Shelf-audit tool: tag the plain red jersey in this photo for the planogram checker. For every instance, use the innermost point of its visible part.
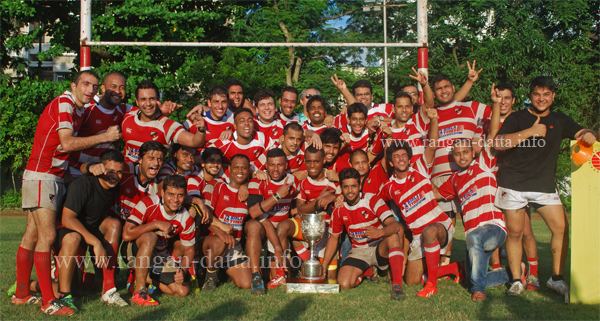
(150, 209)
(375, 180)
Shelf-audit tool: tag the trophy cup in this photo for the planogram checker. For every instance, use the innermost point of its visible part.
(313, 230)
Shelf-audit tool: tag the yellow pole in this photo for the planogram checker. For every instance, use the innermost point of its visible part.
(585, 224)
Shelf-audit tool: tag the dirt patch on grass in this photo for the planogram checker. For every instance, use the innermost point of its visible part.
(12, 212)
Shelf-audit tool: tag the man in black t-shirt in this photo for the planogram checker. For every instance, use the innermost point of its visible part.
(87, 221)
(530, 140)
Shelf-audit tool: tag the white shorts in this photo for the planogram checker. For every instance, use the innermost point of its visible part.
(40, 190)
(508, 199)
(415, 251)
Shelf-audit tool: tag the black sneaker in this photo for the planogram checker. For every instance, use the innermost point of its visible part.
(397, 292)
(258, 286)
(211, 281)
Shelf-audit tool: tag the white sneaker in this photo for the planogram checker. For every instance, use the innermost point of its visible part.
(112, 297)
(516, 288)
(559, 286)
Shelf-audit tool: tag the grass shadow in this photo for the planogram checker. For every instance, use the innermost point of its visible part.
(158, 313)
(294, 309)
(230, 310)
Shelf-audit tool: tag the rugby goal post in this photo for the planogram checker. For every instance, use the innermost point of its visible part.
(422, 43)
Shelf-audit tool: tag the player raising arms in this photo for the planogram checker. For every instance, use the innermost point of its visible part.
(372, 244)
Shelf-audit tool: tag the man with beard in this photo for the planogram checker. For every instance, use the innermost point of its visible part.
(87, 222)
(236, 97)
(43, 186)
(149, 124)
(102, 113)
(181, 163)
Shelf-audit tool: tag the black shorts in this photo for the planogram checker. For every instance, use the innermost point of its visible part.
(63, 231)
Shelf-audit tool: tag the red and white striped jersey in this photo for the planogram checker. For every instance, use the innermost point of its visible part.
(169, 168)
(200, 187)
(456, 121)
(316, 129)
(96, 120)
(214, 127)
(265, 189)
(370, 211)
(286, 120)
(483, 115)
(132, 191)
(414, 132)
(375, 180)
(381, 110)
(256, 150)
(47, 156)
(476, 188)
(414, 197)
(362, 141)
(228, 208)
(136, 132)
(273, 130)
(150, 209)
(295, 162)
(341, 121)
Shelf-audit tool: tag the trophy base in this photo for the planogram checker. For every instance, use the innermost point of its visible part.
(299, 285)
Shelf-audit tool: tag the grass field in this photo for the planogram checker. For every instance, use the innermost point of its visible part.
(370, 301)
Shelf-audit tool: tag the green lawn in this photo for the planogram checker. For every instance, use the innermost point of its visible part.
(368, 302)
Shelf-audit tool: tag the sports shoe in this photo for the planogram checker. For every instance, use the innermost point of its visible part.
(211, 281)
(152, 289)
(276, 282)
(397, 292)
(428, 291)
(112, 297)
(142, 298)
(68, 301)
(559, 286)
(478, 296)
(258, 286)
(31, 299)
(12, 290)
(57, 308)
(532, 283)
(516, 288)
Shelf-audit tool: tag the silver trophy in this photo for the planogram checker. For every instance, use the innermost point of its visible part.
(313, 229)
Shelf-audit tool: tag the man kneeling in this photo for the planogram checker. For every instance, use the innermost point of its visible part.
(152, 231)
(372, 244)
(86, 218)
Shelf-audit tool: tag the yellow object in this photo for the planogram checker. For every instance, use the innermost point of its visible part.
(585, 225)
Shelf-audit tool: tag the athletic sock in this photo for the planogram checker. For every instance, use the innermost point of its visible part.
(396, 258)
(449, 269)
(432, 259)
(108, 273)
(24, 266)
(302, 252)
(496, 266)
(41, 260)
(533, 266)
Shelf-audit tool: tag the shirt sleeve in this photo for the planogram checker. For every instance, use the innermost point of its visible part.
(188, 235)
(570, 127)
(65, 114)
(78, 195)
(337, 224)
(137, 214)
(380, 208)
(447, 189)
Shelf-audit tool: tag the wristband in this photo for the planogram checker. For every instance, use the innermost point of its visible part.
(277, 196)
(262, 210)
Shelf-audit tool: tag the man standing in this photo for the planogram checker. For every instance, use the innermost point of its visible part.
(43, 188)
(287, 104)
(531, 140)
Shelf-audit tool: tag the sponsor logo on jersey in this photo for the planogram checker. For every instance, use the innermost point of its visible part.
(413, 202)
(469, 194)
